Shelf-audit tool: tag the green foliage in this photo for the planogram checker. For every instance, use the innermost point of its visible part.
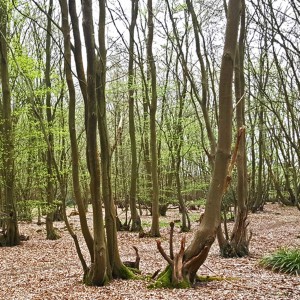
(194, 217)
(163, 223)
(180, 8)
(283, 260)
(197, 202)
(27, 209)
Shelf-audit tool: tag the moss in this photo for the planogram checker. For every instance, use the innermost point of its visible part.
(165, 271)
(127, 273)
(164, 280)
(213, 278)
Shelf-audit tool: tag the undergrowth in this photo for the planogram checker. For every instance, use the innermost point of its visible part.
(283, 260)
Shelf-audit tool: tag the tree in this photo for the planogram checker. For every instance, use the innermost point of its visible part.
(115, 265)
(51, 234)
(184, 265)
(73, 138)
(105, 260)
(10, 225)
(135, 219)
(153, 107)
(238, 243)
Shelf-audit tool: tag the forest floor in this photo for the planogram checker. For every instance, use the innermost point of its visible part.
(42, 269)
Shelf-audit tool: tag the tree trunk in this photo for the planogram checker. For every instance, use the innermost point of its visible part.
(98, 273)
(154, 231)
(72, 130)
(238, 245)
(135, 218)
(51, 233)
(186, 226)
(11, 232)
(259, 200)
(115, 266)
(196, 253)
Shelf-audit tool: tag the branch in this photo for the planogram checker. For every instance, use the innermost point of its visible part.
(237, 103)
(163, 253)
(171, 240)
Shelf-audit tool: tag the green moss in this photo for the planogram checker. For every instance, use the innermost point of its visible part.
(164, 280)
(213, 278)
(127, 273)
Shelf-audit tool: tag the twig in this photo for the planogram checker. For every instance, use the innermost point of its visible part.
(239, 102)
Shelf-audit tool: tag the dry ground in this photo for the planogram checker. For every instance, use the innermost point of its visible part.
(41, 269)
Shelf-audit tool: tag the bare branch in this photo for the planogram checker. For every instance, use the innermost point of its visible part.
(163, 253)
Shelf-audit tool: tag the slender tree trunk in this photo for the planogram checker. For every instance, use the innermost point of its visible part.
(153, 142)
(259, 200)
(11, 223)
(72, 131)
(186, 226)
(204, 85)
(238, 245)
(51, 233)
(98, 273)
(115, 265)
(135, 218)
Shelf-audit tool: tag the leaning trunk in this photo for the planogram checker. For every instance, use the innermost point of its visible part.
(238, 245)
(184, 267)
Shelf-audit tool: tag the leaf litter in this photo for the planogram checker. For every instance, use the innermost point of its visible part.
(43, 269)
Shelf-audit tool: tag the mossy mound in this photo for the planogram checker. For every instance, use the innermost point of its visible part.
(214, 278)
(128, 273)
(164, 281)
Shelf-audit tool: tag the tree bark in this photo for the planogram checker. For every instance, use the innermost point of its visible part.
(115, 266)
(11, 231)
